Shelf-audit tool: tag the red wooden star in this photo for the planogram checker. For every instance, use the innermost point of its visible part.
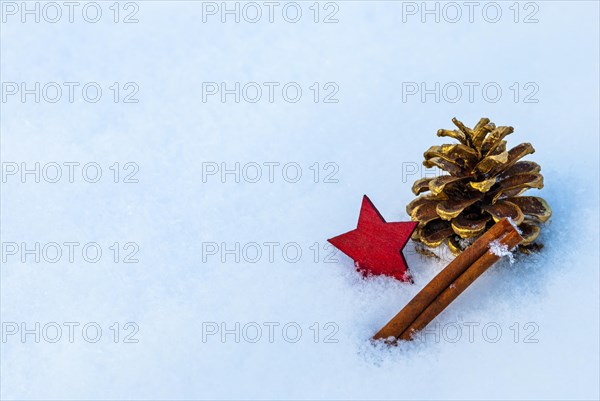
(375, 245)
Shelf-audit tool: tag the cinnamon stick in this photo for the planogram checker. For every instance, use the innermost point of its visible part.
(399, 323)
(510, 240)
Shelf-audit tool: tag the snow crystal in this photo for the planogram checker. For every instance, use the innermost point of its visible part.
(501, 250)
(512, 222)
(465, 242)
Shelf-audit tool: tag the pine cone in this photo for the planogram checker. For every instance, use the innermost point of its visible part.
(483, 186)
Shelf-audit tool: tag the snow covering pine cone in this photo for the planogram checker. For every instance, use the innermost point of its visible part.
(483, 186)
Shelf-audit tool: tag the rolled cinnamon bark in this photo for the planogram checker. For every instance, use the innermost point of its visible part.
(510, 240)
(399, 323)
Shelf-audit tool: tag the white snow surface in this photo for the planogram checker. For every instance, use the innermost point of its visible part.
(522, 331)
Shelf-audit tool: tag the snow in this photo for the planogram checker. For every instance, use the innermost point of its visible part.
(465, 242)
(514, 224)
(500, 249)
(545, 307)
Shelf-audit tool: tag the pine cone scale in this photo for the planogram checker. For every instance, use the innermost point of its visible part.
(503, 209)
(450, 209)
(467, 227)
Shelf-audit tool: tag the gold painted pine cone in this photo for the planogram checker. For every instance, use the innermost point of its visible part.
(483, 185)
